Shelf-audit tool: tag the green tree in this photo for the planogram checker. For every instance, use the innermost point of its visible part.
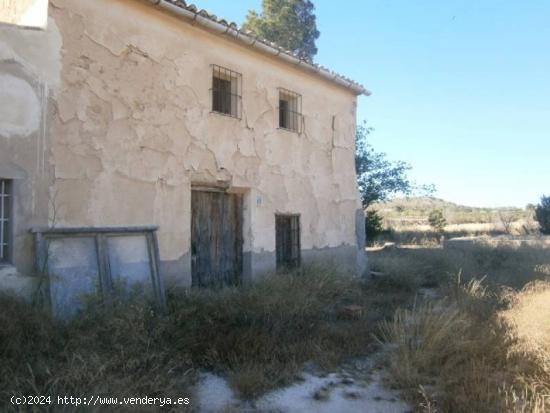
(379, 178)
(289, 23)
(437, 221)
(373, 223)
(542, 214)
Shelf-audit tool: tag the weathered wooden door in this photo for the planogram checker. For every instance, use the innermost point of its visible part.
(287, 233)
(216, 238)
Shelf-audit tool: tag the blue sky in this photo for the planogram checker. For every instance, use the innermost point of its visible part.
(461, 89)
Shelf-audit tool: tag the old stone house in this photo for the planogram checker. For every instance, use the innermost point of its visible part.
(138, 134)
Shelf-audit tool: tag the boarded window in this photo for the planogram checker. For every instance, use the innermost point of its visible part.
(290, 110)
(130, 264)
(287, 230)
(84, 261)
(226, 91)
(5, 219)
(73, 271)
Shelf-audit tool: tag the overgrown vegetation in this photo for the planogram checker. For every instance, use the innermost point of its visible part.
(259, 337)
(120, 351)
(262, 335)
(482, 346)
(499, 263)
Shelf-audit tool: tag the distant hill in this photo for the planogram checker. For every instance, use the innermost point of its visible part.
(415, 210)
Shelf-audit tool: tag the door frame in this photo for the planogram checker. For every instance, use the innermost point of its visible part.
(225, 190)
(283, 266)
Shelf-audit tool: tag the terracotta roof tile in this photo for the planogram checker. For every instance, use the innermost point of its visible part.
(232, 25)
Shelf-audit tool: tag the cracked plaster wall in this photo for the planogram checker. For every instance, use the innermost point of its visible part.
(30, 67)
(132, 129)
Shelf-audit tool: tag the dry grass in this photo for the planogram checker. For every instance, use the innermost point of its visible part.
(116, 352)
(424, 235)
(259, 337)
(529, 315)
(484, 346)
(507, 265)
(427, 237)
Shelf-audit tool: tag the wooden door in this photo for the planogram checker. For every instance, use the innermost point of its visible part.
(216, 238)
(287, 233)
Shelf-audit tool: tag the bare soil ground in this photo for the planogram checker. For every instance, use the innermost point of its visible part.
(356, 387)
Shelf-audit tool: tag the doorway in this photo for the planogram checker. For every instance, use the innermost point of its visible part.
(216, 238)
(287, 233)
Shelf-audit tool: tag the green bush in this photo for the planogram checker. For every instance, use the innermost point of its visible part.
(542, 214)
(373, 224)
(437, 220)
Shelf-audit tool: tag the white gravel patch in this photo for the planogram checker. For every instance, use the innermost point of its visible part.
(341, 392)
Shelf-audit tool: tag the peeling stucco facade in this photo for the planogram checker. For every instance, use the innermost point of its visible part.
(106, 119)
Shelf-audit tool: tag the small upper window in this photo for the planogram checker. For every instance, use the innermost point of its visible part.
(226, 91)
(5, 219)
(290, 110)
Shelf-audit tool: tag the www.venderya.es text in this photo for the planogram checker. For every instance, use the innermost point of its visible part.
(93, 400)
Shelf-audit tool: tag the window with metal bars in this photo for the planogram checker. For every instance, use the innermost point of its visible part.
(5, 219)
(288, 250)
(290, 110)
(226, 91)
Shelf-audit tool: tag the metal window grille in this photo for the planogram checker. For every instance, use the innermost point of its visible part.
(226, 91)
(5, 216)
(290, 110)
(288, 249)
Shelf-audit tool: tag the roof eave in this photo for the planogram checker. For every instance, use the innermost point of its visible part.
(221, 27)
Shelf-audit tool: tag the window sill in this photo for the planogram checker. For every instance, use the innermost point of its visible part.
(225, 115)
(289, 130)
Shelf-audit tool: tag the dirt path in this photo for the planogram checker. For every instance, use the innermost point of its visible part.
(357, 387)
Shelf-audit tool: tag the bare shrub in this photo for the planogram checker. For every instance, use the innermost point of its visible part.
(506, 219)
